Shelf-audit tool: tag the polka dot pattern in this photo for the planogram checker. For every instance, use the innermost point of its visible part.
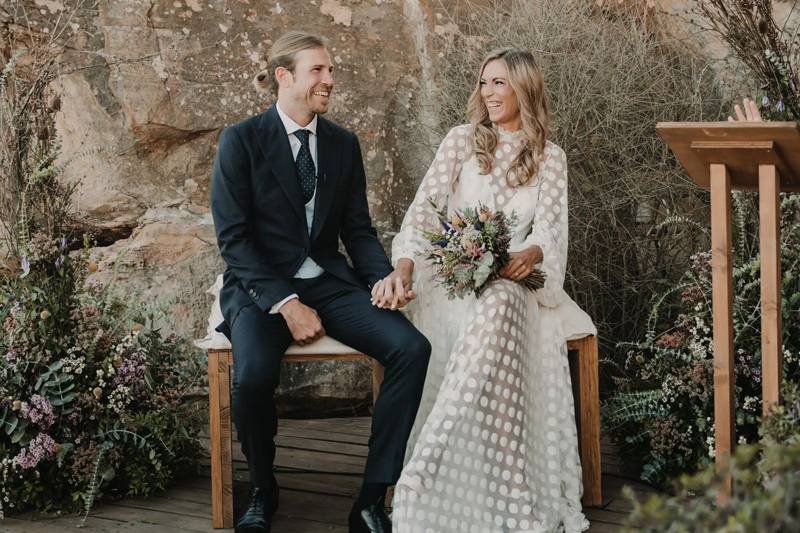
(494, 446)
(306, 172)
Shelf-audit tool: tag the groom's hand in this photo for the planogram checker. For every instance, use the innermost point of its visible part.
(303, 322)
(395, 290)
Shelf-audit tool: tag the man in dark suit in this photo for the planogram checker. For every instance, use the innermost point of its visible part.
(287, 185)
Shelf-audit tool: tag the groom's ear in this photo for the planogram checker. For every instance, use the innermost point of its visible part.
(284, 76)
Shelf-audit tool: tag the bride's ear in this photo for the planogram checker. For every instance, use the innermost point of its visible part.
(261, 82)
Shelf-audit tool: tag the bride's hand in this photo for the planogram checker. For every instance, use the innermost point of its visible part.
(395, 290)
(522, 263)
(750, 113)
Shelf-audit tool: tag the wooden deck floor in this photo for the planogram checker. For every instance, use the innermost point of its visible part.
(319, 464)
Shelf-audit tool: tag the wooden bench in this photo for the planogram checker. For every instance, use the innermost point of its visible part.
(583, 366)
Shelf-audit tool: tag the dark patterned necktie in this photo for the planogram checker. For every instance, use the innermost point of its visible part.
(305, 166)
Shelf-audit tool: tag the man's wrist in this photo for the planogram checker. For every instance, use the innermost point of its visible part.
(289, 305)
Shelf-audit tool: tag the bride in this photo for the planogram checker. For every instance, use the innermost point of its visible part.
(494, 447)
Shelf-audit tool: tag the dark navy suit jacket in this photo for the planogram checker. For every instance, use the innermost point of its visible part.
(260, 218)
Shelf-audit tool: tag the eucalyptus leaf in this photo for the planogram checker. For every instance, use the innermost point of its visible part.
(484, 269)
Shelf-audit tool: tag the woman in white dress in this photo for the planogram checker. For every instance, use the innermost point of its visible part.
(494, 447)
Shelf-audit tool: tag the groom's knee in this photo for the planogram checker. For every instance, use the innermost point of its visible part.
(412, 352)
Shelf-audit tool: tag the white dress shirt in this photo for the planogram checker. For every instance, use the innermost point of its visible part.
(309, 268)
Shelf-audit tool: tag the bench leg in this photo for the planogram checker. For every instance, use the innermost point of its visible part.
(219, 398)
(588, 367)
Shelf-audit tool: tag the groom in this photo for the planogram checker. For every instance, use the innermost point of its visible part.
(287, 185)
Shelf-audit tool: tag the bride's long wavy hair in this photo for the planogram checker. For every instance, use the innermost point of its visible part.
(527, 81)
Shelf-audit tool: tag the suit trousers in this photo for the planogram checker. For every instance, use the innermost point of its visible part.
(259, 341)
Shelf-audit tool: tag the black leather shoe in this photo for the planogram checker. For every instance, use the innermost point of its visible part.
(257, 517)
(372, 519)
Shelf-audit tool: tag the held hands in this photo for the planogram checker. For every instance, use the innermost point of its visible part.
(303, 322)
(394, 291)
(750, 114)
(522, 263)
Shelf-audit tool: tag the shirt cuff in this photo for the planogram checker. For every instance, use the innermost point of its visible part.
(275, 308)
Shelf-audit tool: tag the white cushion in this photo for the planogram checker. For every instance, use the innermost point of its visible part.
(214, 340)
(575, 322)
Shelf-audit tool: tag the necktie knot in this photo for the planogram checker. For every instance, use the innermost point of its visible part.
(302, 135)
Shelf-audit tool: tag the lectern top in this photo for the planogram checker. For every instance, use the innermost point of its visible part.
(741, 146)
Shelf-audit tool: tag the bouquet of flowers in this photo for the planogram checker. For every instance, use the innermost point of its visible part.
(471, 248)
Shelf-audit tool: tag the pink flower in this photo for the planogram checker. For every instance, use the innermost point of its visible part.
(42, 447)
(39, 411)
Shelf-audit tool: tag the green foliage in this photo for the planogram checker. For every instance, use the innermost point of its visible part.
(766, 494)
(94, 402)
(662, 412)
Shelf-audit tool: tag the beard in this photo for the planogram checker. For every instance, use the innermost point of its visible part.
(318, 104)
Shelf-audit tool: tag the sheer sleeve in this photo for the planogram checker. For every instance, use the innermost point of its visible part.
(550, 226)
(409, 241)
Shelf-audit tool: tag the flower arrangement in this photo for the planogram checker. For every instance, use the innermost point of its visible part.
(93, 400)
(663, 410)
(471, 248)
(766, 495)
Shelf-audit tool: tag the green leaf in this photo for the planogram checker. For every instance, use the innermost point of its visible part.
(484, 269)
(11, 425)
(18, 434)
(63, 450)
(63, 400)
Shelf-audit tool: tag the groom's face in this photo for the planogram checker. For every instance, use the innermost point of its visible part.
(310, 86)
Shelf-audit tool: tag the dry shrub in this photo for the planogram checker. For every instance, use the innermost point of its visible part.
(635, 217)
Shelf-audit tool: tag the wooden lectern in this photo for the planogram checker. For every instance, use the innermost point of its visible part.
(721, 156)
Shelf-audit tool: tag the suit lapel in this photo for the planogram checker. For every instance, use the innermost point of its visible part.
(329, 159)
(275, 146)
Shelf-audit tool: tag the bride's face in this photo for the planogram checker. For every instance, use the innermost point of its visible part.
(498, 96)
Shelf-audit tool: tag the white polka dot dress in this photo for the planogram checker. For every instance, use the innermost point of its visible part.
(494, 447)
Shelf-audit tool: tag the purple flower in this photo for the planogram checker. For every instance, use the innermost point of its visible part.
(60, 261)
(40, 448)
(765, 101)
(39, 411)
(131, 370)
(26, 266)
(779, 107)
(62, 243)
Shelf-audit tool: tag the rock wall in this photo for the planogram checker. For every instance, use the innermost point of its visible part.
(148, 86)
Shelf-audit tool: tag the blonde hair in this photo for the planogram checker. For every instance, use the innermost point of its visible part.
(282, 54)
(527, 81)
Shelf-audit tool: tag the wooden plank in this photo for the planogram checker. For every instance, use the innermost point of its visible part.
(603, 515)
(742, 162)
(333, 448)
(64, 523)
(356, 426)
(136, 517)
(220, 445)
(325, 436)
(771, 340)
(722, 310)
(601, 527)
(310, 459)
(589, 414)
